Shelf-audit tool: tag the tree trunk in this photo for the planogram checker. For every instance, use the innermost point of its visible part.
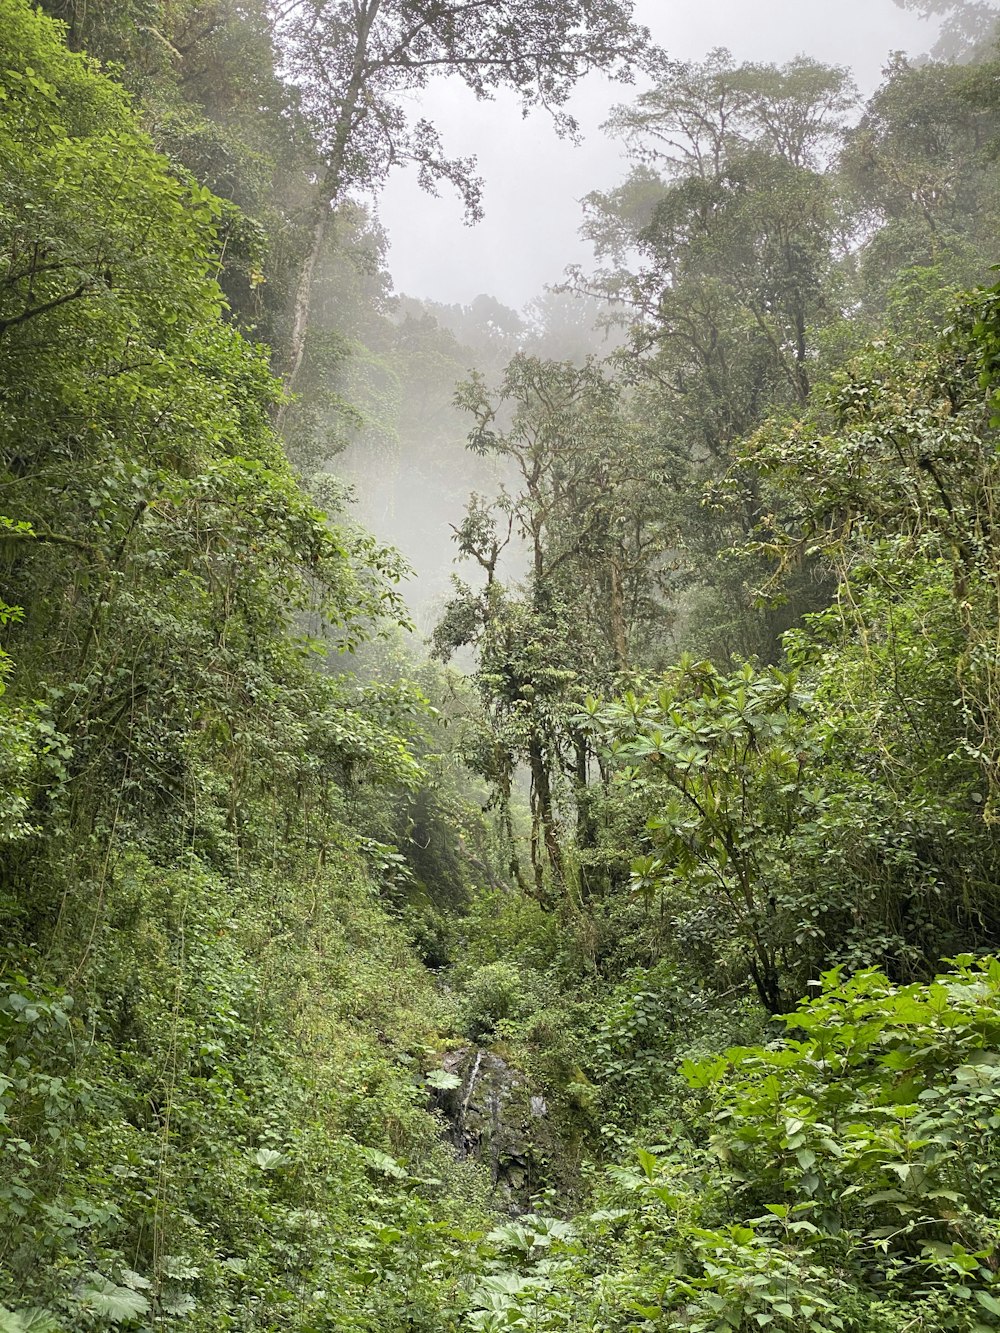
(504, 783)
(303, 299)
(331, 187)
(543, 820)
(619, 637)
(586, 824)
(585, 831)
(765, 980)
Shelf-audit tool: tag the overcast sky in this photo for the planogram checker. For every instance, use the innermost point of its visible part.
(534, 180)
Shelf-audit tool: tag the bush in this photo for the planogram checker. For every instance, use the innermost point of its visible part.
(494, 993)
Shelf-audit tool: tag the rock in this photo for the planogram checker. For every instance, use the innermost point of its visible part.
(492, 1116)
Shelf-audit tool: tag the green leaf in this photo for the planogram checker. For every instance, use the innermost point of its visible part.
(440, 1078)
(505, 1284)
(648, 1162)
(34, 1320)
(269, 1159)
(181, 1304)
(179, 1267)
(381, 1161)
(109, 1301)
(988, 1302)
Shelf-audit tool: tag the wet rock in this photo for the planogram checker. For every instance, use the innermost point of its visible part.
(493, 1117)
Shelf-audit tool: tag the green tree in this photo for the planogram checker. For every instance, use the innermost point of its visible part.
(734, 220)
(587, 505)
(920, 182)
(966, 26)
(133, 425)
(356, 64)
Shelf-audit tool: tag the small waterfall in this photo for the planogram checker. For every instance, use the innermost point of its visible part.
(472, 1083)
(493, 1117)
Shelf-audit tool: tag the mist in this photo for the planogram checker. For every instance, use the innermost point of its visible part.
(535, 181)
(468, 291)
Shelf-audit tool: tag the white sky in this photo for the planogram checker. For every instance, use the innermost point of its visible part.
(534, 180)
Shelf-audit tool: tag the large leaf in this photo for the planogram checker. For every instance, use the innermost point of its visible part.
(381, 1161)
(182, 1303)
(27, 1321)
(440, 1078)
(179, 1267)
(269, 1159)
(135, 1280)
(105, 1298)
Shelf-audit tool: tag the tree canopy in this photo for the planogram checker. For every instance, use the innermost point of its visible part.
(622, 956)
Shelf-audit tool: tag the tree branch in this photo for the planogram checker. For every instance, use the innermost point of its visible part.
(33, 311)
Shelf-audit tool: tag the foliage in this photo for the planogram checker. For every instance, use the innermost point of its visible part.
(156, 632)
(208, 1023)
(734, 761)
(830, 1185)
(252, 897)
(586, 504)
(492, 993)
(966, 25)
(199, 1125)
(355, 64)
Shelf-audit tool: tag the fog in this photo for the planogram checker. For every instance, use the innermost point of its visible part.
(411, 494)
(534, 180)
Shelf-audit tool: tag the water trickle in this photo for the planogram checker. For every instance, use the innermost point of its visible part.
(492, 1117)
(472, 1083)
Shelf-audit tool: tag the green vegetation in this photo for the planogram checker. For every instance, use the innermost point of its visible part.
(639, 975)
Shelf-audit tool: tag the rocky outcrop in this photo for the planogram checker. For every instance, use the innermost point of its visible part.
(493, 1116)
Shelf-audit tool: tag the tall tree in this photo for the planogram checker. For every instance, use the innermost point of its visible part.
(966, 25)
(732, 217)
(590, 499)
(359, 61)
(922, 180)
